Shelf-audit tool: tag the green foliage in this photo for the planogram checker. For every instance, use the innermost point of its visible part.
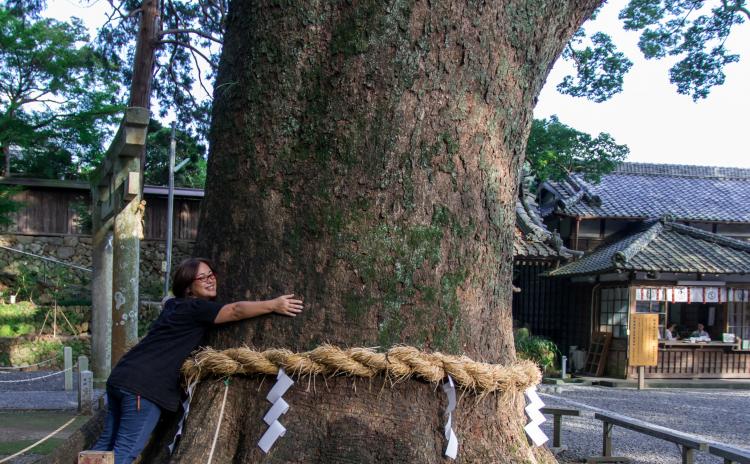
(26, 281)
(48, 282)
(34, 351)
(7, 204)
(56, 96)
(83, 218)
(555, 149)
(26, 318)
(601, 68)
(157, 157)
(693, 31)
(535, 348)
(18, 319)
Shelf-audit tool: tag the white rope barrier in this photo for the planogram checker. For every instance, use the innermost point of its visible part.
(40, 377)
(14, 368)
(38, 442)
(218, 425)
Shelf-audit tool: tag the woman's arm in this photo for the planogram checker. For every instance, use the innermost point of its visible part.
(240, 310)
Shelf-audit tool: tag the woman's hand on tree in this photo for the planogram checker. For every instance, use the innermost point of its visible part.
(287, 306)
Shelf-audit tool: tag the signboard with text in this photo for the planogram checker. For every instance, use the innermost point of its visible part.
(643, 343)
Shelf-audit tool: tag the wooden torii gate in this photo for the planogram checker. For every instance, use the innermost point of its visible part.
(117, 213)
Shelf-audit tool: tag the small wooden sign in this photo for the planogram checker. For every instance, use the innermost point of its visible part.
(96, 457)
(643, 343)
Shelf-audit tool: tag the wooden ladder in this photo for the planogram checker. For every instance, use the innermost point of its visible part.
(596, 358)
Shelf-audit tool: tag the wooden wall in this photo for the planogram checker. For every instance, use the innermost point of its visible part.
(49, 211)
(551, 307)
(185, 219)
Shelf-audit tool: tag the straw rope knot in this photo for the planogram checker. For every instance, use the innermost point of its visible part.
(398, 363)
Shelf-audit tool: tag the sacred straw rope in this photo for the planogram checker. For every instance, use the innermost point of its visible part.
(399, 363)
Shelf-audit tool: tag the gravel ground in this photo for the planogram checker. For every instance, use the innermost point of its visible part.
(46, 393)
(716, 415)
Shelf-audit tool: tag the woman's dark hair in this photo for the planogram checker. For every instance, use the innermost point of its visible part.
(185, 273)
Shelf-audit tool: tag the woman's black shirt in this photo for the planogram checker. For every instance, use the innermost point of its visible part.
(152, 367)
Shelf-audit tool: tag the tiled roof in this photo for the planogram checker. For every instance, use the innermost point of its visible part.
(641, 190)
(529, 248)
(532, 239)
(662, 246)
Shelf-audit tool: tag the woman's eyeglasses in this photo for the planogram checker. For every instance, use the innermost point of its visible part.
(205, 277)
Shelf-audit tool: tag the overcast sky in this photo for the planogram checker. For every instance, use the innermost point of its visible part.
(658, 124)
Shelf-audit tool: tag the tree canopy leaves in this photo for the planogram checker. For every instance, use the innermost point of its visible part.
(56, 95)
(193, 175)
(554, 150)
(693, 31)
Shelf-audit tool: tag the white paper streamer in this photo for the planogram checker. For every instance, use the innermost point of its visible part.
(283, 382)
(535, 416)
(279, 407)
(186, 409)
(450, 390)
(273, 433)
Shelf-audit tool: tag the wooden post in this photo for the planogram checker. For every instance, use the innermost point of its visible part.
(68, 366)
(607, 439)
(556, 430)
(641, 377)
(86, 393)
(101, 286)
(688, 455)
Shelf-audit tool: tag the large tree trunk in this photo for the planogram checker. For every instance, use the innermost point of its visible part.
(365, 156)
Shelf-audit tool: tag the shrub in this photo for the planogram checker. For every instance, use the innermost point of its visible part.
(542, 351)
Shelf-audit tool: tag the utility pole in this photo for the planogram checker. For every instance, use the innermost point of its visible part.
(170, 210)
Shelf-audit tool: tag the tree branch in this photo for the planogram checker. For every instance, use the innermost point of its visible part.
(190, 31)
(198, 72)
(738, 7)
(189, 47)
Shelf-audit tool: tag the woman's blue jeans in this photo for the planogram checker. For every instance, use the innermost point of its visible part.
(130, 421)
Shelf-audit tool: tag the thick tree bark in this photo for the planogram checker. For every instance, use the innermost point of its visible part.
(365, 156)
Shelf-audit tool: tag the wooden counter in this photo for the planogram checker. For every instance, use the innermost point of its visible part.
(680, 359)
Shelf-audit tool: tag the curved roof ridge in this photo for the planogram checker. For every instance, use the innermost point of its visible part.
(621, 257)
(682, 170)
(710, 236)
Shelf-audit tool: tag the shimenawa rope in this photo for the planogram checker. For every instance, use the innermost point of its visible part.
(398, 363)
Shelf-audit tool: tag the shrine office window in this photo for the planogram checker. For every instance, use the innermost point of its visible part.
(613, 311)
(738, 320)
(654, 307)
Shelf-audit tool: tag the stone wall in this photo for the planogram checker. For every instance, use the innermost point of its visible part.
(76, 249)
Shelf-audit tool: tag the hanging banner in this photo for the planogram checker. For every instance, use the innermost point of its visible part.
(710, 295)
(677, 295)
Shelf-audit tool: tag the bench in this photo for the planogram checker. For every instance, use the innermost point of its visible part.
(688, 443)
(730, 454)
(557, 414)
